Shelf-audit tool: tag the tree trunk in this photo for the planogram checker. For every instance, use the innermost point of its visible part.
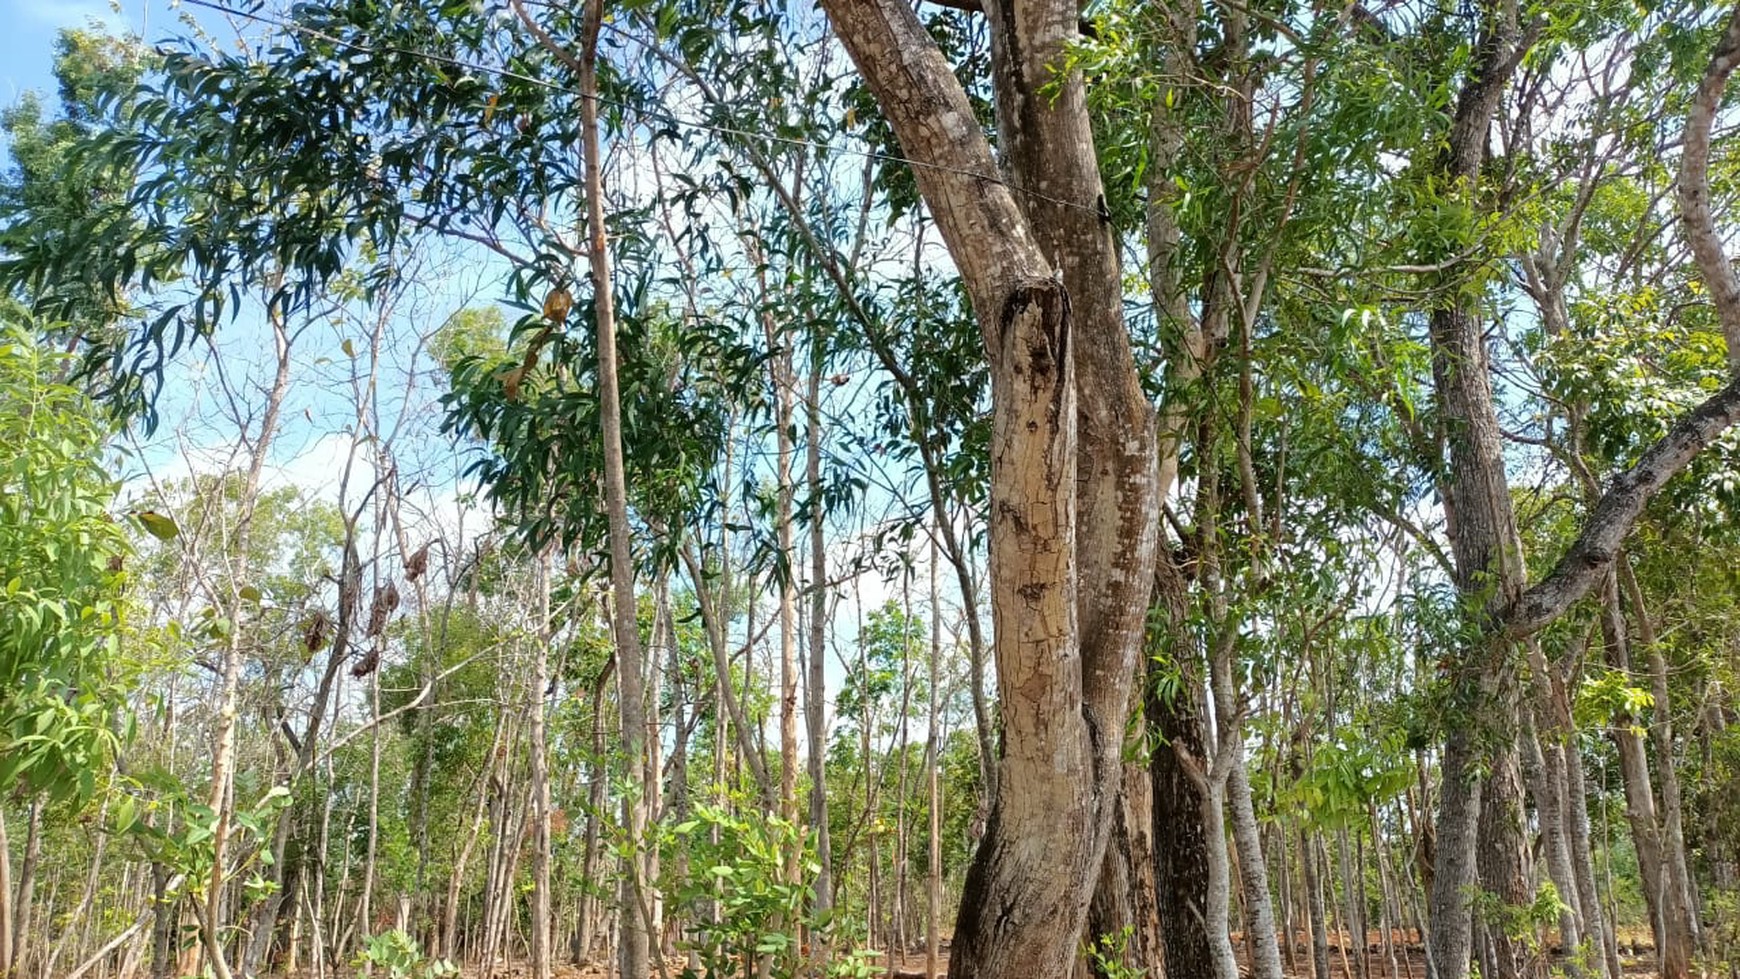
(1489, 569)
(780, 370)
(24, 905)
(1546, 787)
(633, 951)
(6, 936)
(1504, 861)
(933, 875)
(1678, 876)
(540, 775)
(1667, 915)
(1260, 938)
(815, 690)
(1317, 907)
(221, 799)
(585, 934)
(1181, 842)
(1071, 562)
(1126, 897)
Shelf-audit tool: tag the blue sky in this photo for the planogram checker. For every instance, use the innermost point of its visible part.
(28, 29)
(27, 41)
(198, 435)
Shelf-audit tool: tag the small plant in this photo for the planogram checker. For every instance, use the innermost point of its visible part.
(1109, 955)
(762, 915)
(398, 956)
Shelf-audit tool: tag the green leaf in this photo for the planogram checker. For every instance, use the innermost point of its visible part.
(158, 525)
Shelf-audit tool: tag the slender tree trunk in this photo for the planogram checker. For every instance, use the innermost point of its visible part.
(87, 898)
(1546, 786)
(221, 797)
(713, 620)
(24, 904)
(1640, 812)
(365, 922)
(633, 952)
(1678, 878)
(1260, 938)
(933, 882)
(1317, 907)
(1350, 906)
(6, 906)
(1583, 861)
(586, 934)
(815, 690)
(449, 945)
(780, 367)
(652, 772)
(540, 775)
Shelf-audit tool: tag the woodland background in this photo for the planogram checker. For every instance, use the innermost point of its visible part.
(378, 591)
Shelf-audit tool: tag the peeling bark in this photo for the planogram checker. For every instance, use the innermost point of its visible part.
(1073, 514)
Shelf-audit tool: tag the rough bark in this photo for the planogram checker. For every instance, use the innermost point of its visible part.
(1489, 571)
(1070, 562)
(1181, 843)
(1504, 862)
(1126, 896)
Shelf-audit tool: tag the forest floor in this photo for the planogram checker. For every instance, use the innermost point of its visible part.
(1636, 955)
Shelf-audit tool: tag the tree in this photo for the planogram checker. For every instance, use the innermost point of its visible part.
(1070, 561)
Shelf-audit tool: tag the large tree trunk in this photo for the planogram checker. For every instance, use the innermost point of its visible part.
(1489, 569)
(1180, 839)
(1070, 561)
(1126, 897)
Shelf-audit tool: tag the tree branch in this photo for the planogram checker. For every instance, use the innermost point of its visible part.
(1588, 558)
(1694, 188)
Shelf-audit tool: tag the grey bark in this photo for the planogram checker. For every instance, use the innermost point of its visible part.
(1489, 570)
